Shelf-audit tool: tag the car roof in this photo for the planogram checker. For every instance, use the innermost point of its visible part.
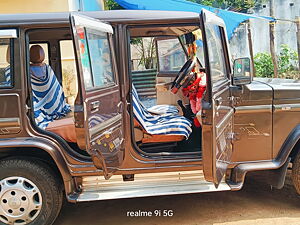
(135, 16)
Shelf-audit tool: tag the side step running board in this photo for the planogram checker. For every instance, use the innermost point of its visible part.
(153, 184)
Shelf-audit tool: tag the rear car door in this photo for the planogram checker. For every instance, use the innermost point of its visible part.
(10, 86)
(98, 106)
(217, 114)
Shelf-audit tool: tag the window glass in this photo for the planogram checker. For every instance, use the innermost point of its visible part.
(69, 75)
(100, 58)
(143, 54)
(84, 58)
(171, 55)
(199, 45)
(215, 52)
(199, 42)
(5, 63)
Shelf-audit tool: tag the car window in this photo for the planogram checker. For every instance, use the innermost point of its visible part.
(215, 52)
(143, 54)
(69, 74)
(100, 58)
(6, 63)
(198, 45)
(171, 55)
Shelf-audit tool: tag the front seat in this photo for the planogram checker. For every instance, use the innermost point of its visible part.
(50, 108)
(162, 127)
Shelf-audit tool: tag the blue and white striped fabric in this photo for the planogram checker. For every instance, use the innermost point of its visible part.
(163, 109)
(7, 76)
(48, 97)
(164, 124)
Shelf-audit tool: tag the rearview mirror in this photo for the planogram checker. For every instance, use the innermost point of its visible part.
(242, 71)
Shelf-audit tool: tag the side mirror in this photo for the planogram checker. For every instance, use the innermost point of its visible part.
(242, 73)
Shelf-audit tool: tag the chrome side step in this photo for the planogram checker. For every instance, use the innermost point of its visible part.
(144, 185)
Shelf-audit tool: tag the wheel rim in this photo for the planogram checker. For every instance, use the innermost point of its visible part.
(20, 201)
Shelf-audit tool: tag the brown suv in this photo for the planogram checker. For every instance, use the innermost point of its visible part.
(79, 116)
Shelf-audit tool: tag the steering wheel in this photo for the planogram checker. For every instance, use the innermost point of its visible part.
(184, 72)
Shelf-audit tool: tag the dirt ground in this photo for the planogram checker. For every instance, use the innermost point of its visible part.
(256, 203)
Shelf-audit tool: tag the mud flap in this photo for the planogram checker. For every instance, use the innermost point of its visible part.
(276, 177)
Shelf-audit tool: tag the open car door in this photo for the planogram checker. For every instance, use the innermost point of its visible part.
(98, 106)
(217, 113)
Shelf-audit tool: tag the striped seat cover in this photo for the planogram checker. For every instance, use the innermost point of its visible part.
(7, 76)
(168, 123)
(48, 98)
(163, 109)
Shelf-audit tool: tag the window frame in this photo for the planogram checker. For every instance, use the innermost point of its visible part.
(177, 24)
(11, 64)
(225, 78)
(112, 84)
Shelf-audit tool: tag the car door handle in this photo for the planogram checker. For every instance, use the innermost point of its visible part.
(95, 105)
(120, 107)
(218, 101)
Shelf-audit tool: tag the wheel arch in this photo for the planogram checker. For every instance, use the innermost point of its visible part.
(295, 150)
(42, 149)
(291, 145)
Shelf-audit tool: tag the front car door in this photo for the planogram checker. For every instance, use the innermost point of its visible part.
(98, 107)
(217, 113)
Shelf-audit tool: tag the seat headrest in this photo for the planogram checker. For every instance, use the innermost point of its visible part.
(37, 54)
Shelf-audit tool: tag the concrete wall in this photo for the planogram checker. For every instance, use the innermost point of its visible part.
(33, 6)
(39, 6)
(285, 32)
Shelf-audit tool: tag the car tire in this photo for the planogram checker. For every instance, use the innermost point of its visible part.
(296, 173)
(30, 192)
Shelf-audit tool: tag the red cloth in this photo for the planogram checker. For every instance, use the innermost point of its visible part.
(195, 93)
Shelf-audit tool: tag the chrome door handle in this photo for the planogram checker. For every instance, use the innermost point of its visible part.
(95, 105)
(218, 101)
(120, 107)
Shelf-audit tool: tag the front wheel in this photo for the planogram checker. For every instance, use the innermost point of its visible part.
(29, 193)
(296, 173)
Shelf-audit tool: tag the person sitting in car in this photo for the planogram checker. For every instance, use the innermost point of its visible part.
(48, 97)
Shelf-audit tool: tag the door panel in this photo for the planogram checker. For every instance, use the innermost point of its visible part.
(99, 119)
(223, 128)
(10, 98)
(217, 111)
(10, 122)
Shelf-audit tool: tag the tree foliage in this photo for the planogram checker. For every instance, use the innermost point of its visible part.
(145, 49)
(235, 5)
(287, 62)
(112, 5)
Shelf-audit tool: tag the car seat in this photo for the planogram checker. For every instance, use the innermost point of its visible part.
(64, 126)
(164, 126)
